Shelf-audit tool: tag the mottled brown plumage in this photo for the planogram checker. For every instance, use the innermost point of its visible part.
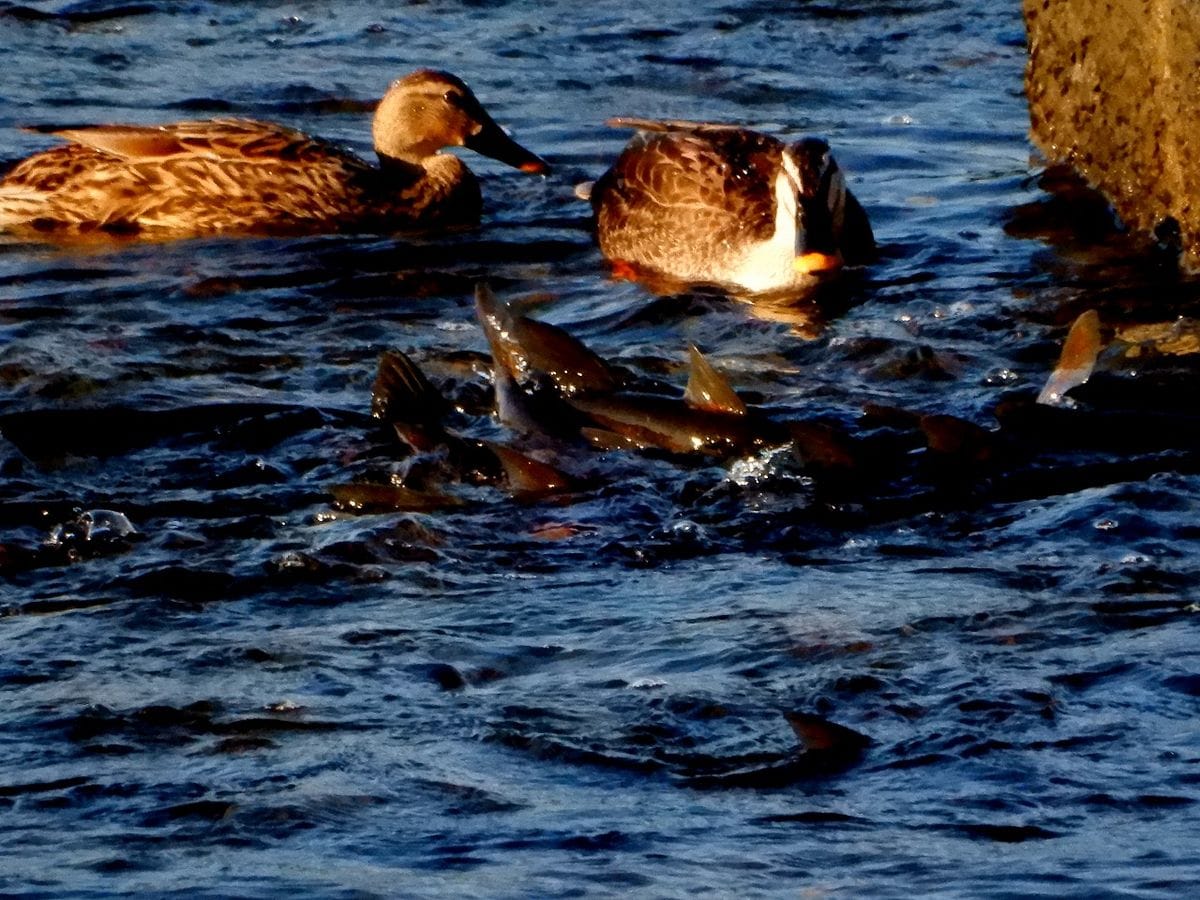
(240, 175)
(705, 203)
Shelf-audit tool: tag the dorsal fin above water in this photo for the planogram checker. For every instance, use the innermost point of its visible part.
(528, 476)
(708, 389)
(819, 734)
(402, 393)
(1077, 360)
(573, 367)
(525, 351)
(496, 321)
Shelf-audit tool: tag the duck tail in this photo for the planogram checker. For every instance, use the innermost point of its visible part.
(20, 205)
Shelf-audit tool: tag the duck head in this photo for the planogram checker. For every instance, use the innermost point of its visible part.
(820, 205)
(427, 110)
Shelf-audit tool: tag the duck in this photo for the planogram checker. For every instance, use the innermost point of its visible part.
(709, 203)
(213, 176)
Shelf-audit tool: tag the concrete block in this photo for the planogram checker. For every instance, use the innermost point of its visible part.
(1114, 92)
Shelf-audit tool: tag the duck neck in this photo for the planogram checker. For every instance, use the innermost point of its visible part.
(402, 171)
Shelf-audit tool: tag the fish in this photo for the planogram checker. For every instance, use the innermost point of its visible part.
(548, 381)
(404, 399)
(536, 366)
(825, 749)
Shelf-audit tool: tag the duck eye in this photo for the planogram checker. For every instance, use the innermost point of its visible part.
(454, 98)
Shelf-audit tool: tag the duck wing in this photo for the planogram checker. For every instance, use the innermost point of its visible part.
(717, 183)
(661, 125)
(218, 140)
(186, 178)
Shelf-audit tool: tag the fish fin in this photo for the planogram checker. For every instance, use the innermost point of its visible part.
(816, 733)
(570, 363)
(527, 476)
(1077, 360)
(509, 365)
(401, 392)
(708, 389)
(497, 322)
(623, 271)
(522, 346)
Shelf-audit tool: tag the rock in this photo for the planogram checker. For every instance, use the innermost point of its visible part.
(1114, 92)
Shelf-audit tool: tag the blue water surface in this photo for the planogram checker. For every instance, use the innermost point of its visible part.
(253, 694)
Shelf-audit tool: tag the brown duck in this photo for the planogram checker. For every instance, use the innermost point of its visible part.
(239, 175)
(703, 203)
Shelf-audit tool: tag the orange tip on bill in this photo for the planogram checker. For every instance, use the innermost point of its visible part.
(816, 262)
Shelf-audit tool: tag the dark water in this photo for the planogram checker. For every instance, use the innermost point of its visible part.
(253, 694)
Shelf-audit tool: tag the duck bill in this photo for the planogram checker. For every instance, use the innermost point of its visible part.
(819, 251)
(491, 141)
(815, 261)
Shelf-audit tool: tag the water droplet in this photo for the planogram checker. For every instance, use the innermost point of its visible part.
(97, 525)
(1001, 377)
(647, 684)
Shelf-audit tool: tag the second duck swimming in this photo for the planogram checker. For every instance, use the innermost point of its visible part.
(718, 204)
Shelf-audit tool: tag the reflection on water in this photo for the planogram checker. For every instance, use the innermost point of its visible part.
(215, 678)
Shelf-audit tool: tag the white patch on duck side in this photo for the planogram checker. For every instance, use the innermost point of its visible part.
(768, 265)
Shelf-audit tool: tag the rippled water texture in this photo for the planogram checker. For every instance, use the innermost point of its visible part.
(249, 693)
